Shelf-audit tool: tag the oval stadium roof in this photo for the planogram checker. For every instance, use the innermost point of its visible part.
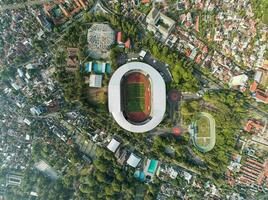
(158, 98)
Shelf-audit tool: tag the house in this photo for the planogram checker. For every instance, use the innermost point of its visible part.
(27, 121)
(253, 86)
(253, 126)
(133, 160)
(20, 72)
(145, 1)
(165, 172)
(95, 80)
(113, 145)
(187, 176)
(36, 111)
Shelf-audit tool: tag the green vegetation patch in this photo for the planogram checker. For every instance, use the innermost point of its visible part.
(265, 12)
(135, 97)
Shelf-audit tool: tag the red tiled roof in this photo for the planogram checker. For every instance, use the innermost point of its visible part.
(250, 124)
(260, 95)
(119, 37)
(197, 24)
(253, 86)
(205, 49)
(248, 127)
(127, 43)
(188, 52)
(145, 1)
(198, 58)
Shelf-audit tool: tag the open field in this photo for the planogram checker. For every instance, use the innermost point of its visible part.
(98, 95)
(264, 80)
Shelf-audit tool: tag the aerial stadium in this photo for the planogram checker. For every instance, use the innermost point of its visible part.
(203, 132)
(137, 97)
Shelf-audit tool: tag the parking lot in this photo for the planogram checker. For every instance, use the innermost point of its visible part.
(159, 66)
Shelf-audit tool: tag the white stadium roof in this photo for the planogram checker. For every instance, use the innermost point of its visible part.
(158, 92)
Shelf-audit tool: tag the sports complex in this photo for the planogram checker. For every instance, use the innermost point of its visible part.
(137, 97)
(203, 132)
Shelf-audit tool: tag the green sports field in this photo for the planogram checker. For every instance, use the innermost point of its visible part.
(135, 97)
(203, 127)
(204, 137)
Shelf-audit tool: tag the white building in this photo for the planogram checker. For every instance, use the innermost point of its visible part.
(95, 80)
(133, 160)
(158, 22)
(238, 80)
(258, 76)
(113, 145)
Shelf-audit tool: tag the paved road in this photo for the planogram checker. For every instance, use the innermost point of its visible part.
(186, 96)
(22, 5)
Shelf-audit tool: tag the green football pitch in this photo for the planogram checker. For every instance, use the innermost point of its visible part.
(203, 127)
(135, 97)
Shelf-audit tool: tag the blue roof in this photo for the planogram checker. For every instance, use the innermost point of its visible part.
(87, 67)
(139, 175)
(98, 67)
(108, 68)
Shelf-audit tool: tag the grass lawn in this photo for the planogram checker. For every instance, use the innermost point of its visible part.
(264, 80)
(265, 12)
(203, 127)
(135, 97)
